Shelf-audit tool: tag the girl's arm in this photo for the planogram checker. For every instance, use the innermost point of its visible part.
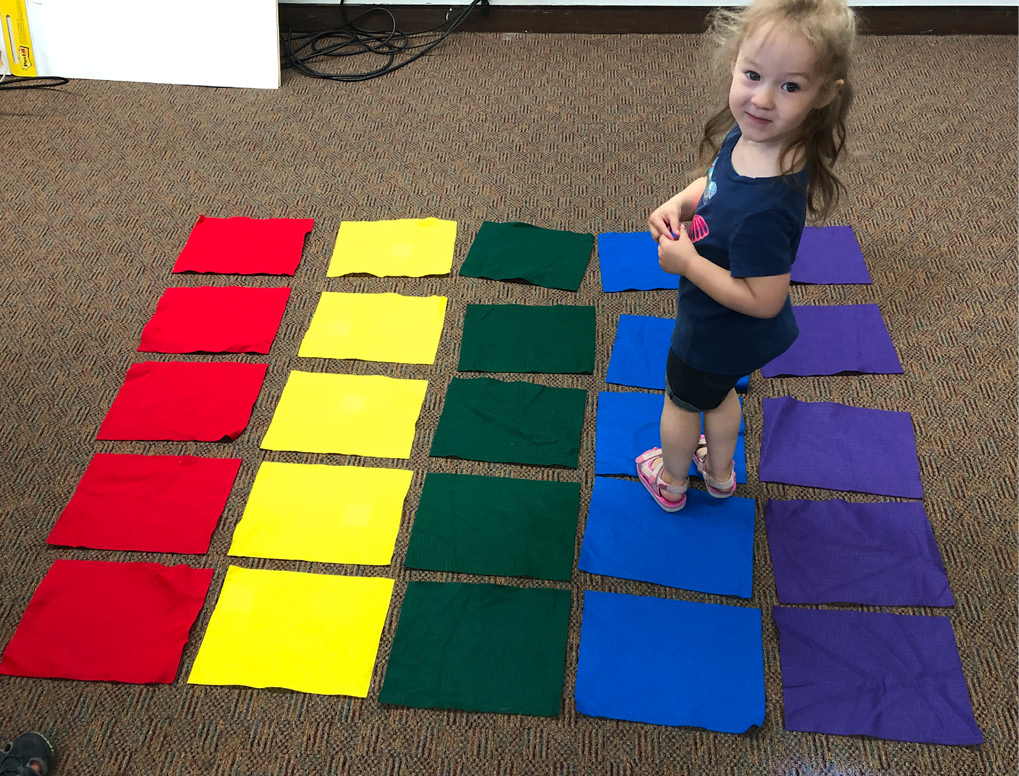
(760, 297)
(665, 220)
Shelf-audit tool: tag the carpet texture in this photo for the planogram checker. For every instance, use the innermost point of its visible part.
(580, 133)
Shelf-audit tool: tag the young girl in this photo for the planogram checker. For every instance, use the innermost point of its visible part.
(789, 95)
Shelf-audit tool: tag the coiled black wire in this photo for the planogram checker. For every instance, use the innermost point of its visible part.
(41, 82)
(397, 48)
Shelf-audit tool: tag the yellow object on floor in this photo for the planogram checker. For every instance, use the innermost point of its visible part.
(376, 327)
(316, 633)
(330, 514)
(410, 247)
(19, 54)
(367, 415)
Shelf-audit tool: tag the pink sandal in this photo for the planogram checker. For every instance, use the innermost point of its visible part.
(650, 474)
(715, 488)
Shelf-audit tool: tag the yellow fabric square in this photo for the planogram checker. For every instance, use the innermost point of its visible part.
(376, 327)
(331, 514)
(367, 415)
(409, 247)
(315, 633)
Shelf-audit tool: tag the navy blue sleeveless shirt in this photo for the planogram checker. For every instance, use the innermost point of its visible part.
(751, 227)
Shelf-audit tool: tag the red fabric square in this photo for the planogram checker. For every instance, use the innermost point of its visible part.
(209, 319)
(102, 621)
(194, 400)
(245, 246)
(147, 503)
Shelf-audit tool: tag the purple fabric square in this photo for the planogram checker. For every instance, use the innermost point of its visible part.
(639, 352)
(628, 423)
(827, 255)
(828, 445)
(881, 554)
(830, 254)
(838, 338)
(629, 261)
(889, 676)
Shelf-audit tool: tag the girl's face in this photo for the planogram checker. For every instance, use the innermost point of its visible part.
(775, 85)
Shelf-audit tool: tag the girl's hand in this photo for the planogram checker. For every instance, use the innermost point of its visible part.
(666, 220)
(676, 254)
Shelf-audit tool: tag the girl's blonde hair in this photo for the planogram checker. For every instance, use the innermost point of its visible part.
(830, 27)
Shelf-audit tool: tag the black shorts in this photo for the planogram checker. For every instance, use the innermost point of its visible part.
(694, 390)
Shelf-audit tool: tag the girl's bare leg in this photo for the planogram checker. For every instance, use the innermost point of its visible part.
(721, 431)
(681, 430)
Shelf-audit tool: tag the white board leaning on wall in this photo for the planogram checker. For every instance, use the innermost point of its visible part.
(200, 42)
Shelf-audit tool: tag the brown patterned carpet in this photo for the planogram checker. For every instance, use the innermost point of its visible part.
(587, 133)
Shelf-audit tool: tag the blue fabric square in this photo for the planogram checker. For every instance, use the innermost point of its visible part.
(708, 547)
(640, 350)
(629, 262)
(627, 424)
(670, 662)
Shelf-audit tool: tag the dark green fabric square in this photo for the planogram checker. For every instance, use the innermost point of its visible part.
(510, 422)
(495, 525)
(514, 251)
(479, 648)
(528, 338)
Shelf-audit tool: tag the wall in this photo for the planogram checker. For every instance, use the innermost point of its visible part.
(138, 40)
(654, 3)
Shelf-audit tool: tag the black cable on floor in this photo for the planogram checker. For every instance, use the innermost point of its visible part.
(397, 48)
(41, 82)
